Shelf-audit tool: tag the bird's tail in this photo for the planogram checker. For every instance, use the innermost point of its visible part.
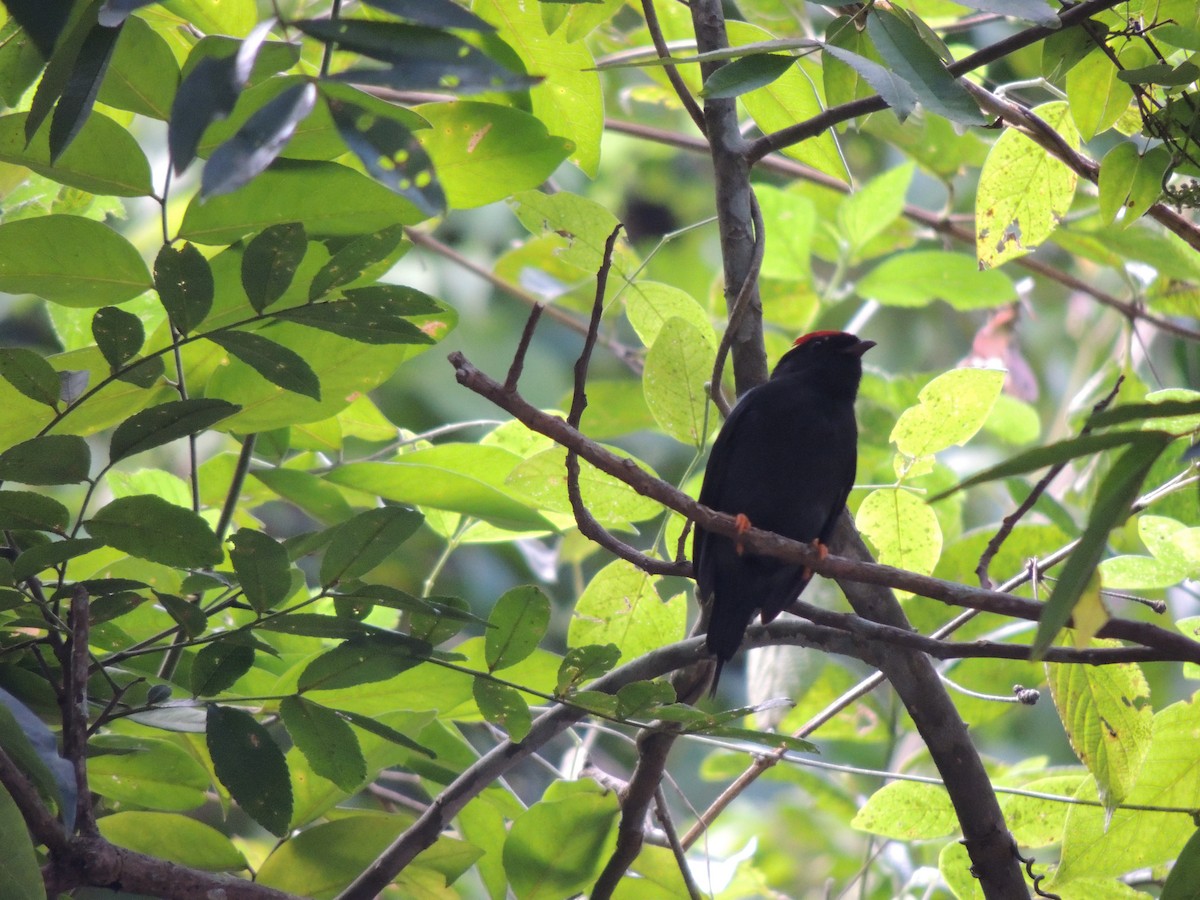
(726, 629)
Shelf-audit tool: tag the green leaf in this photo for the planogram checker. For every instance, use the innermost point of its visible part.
(149, 773)
(912, 59)
(43, 556)
(371, 317)
(30, 374)
(317, 497)
(540, 863)
(621, 606)
(71, 261)
(484, 152)
(1096, 95)
(142, 75)
(184, 281)
(1131, 181)
(118, 334)
(678, 366)
(207, 94)
(951, 409)
(902, 528)
(1024, 191)
(543, 480)
(79, 93)
(746, 74)
(465, 478)
(327, 742)
(582, 664)
(150, 528)
(365, 252)
(104, 158)
(503, 707)
(262, 568)
(649, 304)
(18, 861)
(790, 218)
(1036, 11)
(330, 200)
(258, 142)
(1113, 497)
(189, 616)
(51, 459)
(1108, 717)
(274, 362)
(434, 13)
(1183, 410)
(173, 837)
(362, 660)
(21, 510)
(908, 811)
(365, 541)
(919, 277)
(164, 423)
(218, 665)
(270, 262)
(516, 626)
(251, 766)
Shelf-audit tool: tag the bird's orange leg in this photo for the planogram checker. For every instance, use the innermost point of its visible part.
(822, 552)
(743, 525)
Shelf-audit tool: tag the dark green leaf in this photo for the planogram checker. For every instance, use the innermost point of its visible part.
(1161, 73)
(59, 71)
(113, 606)
(1136, 412)
(71, 261)
(642, 696)
(744, 75)
(184, 281)
(218, 665)
(272, 361)
(43, 21)
(349, 263)
(114, 12)
(361, 660)
(895, 91)
(50, 459)
(164, 423)
(516, 626)
(434, 13)
(1183, 881)
(79, 94)
(1040, 457)
(34, 748)
(767, 739)
(384, 141)
(504, 707)
(361, 319)
(418, 58)
(208, 93)
(582, 664)
(258, 142)
(397, 299)
(443, 622)
(150, 528)
(1037, 11)
(190, 616)
(118, 334)
(366, 723)
(100, 587)
(1116, 493)
(35, 512)
(327, 742)
(262, 568)
(270, 262)
(318, 498)
(43, 556)
(251, 766)
(365, 541)
(912, 59)
(30, 374)
(317, 625)
(144, 373)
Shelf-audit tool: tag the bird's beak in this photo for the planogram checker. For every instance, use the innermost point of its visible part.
(859, 349)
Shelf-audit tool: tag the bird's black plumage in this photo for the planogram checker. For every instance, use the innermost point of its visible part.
(786, 459)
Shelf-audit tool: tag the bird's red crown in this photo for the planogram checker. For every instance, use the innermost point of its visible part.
(805, 338)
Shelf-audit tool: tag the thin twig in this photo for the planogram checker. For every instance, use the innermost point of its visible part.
(235, 485)
(672, 73)
(75, 706)
(663, 812)
(739, 307)
(518, 363)
(1010, 521)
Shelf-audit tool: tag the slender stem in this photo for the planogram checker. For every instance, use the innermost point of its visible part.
(245, 457)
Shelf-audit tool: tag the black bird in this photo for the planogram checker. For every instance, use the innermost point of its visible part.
(784, 461)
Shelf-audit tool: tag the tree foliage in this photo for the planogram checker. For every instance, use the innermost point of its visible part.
(290, 607)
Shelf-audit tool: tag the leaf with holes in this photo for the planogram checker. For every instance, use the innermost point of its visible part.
(270, 263)
(30, 374)
(251, 766)
(150, 528)
(517, 624)
(118, 334)
(272, 361)
(164, 423)
(184, 281)
(375, 251)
